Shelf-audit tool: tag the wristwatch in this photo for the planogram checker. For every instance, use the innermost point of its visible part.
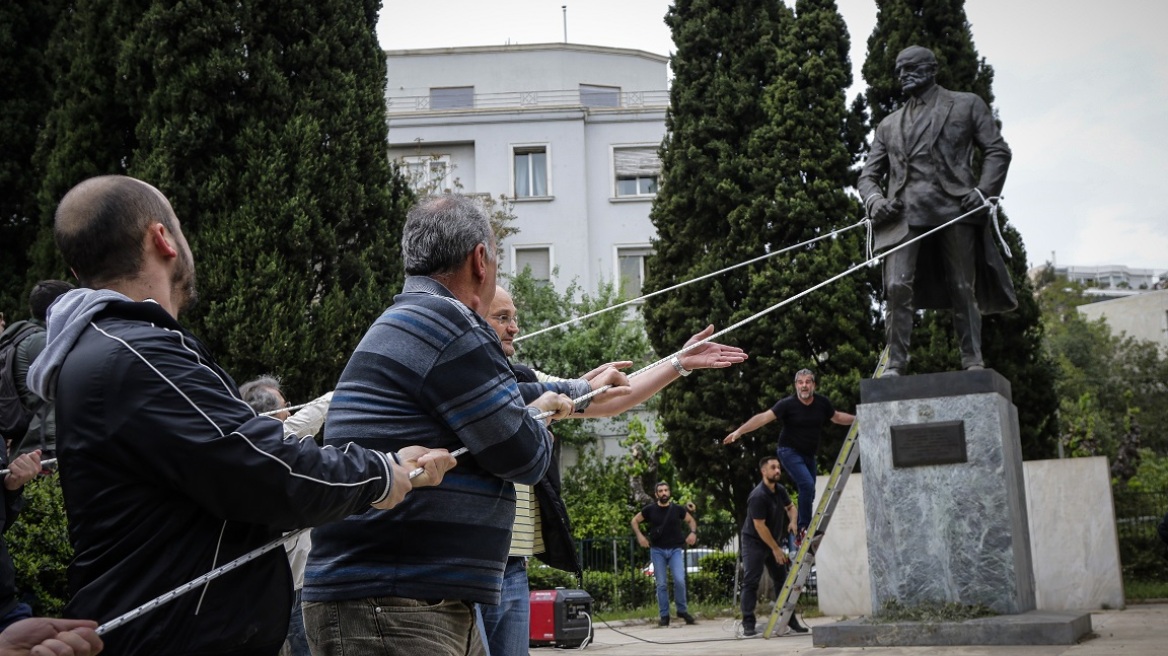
(676, 362)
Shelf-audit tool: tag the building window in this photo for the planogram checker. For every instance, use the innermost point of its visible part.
(429, 174)
(451, 97)
(531, 171)
(592, 95)
(637, 170)
(537, 258)
(630, 269)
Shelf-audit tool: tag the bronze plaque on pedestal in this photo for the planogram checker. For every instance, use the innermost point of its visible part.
(939, 443)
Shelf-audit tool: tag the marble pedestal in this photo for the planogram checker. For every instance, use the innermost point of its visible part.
(940, 530)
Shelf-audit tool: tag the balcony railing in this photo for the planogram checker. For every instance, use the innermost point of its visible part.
(532, 99)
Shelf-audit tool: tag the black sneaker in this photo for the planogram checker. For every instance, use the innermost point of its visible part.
(796, 627)
(663, 621)
(689, 619)
(748, 630)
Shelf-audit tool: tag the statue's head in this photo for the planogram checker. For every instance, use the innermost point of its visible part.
(916, 68)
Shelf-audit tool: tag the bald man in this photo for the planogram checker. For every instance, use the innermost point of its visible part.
(166, 472)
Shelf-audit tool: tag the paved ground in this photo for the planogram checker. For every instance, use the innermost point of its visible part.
(1140, 630)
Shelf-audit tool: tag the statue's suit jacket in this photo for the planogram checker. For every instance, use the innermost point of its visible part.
(958, 122)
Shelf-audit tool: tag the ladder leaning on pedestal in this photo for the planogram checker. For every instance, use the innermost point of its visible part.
(805, 556)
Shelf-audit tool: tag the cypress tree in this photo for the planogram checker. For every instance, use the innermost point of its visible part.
(804, 144)
(25, 26)
(267, 125)
(89, 128)
(1011, 342)
(755, 159)
(726, 56)
(264, 124)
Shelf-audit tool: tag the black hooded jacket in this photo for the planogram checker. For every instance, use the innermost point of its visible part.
(167, 474)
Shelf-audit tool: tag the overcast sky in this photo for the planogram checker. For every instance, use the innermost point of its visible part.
(1081, 87)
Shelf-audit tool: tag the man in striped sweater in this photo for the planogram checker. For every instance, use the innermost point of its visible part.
(429, 371)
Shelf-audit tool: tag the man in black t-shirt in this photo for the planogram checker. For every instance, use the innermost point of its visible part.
(803, 415)
(769, 517)
(665, 519)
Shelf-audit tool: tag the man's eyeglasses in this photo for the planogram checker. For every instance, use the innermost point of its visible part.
(505, 319)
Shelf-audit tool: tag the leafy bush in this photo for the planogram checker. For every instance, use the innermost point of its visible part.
(39, 544)
(542, 577)
(618, 591)
(709, 587)
(717, 574)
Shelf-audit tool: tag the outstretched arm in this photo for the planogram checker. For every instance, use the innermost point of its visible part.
(754, 423)
(842, 418)
(710, 355)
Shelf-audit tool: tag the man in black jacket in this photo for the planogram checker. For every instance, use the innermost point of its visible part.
(166, 472)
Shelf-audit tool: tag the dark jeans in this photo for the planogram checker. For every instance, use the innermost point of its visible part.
(295, 644)
(508, 625)
(21, 611)
(801, 468)
(755, 556)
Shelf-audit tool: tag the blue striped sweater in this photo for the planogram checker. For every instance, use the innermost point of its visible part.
(430, 371)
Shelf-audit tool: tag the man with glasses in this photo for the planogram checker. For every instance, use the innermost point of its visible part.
(924, 154)
(542, 527)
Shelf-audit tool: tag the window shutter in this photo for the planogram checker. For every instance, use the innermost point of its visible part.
(636, 162)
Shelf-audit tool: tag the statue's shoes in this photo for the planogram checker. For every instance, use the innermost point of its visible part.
(975, 367)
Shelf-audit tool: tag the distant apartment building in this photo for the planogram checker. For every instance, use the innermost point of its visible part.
(1142, 316)
(568, 132)
(1109, 276)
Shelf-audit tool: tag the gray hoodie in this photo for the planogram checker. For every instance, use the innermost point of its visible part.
(67, 319)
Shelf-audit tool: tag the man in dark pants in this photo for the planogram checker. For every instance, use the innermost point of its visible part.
(803, 415)
(665, 518)
(766, 507)
(924, 152)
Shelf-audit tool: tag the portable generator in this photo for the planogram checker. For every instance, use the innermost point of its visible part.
(560, 617)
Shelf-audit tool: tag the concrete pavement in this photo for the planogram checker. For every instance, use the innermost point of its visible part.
(1139, 630)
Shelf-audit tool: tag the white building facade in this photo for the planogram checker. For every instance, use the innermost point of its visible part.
(568, 133)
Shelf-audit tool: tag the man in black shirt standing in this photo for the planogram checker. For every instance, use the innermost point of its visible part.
(803, 415)
(766, 508)
(665, 519)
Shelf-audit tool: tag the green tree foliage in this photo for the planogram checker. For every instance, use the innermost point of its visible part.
(264, 124)
(596, 493)
(805, 144)
(574, 350)
(39, 544)
(25, 26)
(1011, 343)
(755, 159)
(1110, 388)
(89, 128)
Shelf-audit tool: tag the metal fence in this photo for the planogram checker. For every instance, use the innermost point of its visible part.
(1141, 551)
(621, 564)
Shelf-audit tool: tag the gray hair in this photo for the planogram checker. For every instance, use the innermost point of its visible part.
(804, 372)
(260, 394)
(440, 231)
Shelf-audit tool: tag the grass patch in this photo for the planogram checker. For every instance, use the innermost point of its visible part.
(701, 611)
(937, 612)
(1144, 590)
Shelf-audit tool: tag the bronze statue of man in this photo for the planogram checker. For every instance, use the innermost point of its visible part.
(923, 152)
